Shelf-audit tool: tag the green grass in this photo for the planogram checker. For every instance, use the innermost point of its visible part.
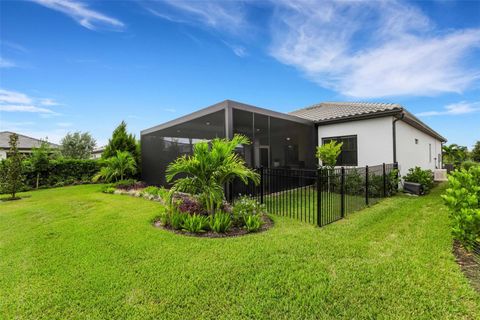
(75, 253)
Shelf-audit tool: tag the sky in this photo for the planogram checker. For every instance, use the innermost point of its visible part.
(70, 65)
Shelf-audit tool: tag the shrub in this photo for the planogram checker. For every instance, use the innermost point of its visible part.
(108, 188)
(468, 164)
(124, 184)
(61, 170)
(163, 218)
(195, 223)
(354, 182)
(463, 200)
(423, 177)
(253, 223)
(189, 204)
(244, 207)
(176, 219)
(220, 222)
(150, 191)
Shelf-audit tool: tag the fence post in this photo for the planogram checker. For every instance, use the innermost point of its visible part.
(384, 181)
(366, 185)
(342, 192)
(319, 197)
(261, 184)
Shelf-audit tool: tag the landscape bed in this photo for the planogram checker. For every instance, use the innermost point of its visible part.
(74, 252)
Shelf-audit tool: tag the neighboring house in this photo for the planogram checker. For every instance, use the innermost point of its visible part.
(25, 144)
(372, 133)
(97, 153)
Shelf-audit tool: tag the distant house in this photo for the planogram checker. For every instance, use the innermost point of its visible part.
(25, 144)
(97, 153)
(372, 134)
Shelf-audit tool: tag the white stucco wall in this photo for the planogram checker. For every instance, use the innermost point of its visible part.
(411, 154)
(374, 138)
(3, 154)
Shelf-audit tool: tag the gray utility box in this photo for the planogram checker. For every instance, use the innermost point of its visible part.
(413, 188)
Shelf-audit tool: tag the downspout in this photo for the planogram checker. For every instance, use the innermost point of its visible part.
(394, 134)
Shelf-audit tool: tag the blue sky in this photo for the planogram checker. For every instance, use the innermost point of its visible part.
(87, 65)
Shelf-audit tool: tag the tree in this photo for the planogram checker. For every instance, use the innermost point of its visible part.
(120, 166)
(454, 154)
(209, 168)
(77, 145)
(122, 141)
(11, 177)
(40, 160)
(475, 153)
(329, 152)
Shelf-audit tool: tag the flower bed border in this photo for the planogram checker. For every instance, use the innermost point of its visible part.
(232, 233)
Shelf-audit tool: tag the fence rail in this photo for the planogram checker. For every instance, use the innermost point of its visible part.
(320, 196)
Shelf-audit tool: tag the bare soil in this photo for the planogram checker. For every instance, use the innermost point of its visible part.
(469, 264)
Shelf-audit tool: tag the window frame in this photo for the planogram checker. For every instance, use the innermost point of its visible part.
(340, 139)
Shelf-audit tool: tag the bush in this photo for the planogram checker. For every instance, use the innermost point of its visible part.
(423, 177)
(246, 206)
(129, 184)
(220, 222)
(108, 188)
(354, 182)
(468, 164)
(195, 223)
(188, 204)
(463, 200)
(253, 223)
(176, 219)
(61, 170)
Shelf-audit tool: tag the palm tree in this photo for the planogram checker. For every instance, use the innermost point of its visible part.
(454, 154)
(117, 167)
(209, 168)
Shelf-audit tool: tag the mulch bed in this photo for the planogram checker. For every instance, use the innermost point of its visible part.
(233, 232)
(469, 264)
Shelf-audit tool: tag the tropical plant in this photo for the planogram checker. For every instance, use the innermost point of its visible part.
(220, 222)
(209, 168)
(454, 154)
(195, 223)
(329, 152)
(475, 153)
(176, 219)
(253, 222)
(11, 177)
(463, 200)
(77, 145)
(117, 168)
(423, 177)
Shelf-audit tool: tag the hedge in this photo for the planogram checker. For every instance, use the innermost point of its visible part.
(62, 172)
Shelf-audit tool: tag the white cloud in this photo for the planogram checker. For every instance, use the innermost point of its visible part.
(12, 101)
(372, 49)
(7, 96)
(49, 102)
(24, 108)
(453, 109)
(82, 14)
(5, 63)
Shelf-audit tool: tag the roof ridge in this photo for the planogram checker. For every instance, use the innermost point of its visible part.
(25, 136)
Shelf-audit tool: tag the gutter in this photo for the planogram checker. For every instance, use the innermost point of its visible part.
(398, 117)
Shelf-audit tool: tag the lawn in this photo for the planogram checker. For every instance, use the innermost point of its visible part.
(77, 253)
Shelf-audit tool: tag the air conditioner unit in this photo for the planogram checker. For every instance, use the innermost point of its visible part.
(440, 175)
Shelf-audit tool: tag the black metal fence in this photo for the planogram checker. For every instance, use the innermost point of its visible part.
(320, 196)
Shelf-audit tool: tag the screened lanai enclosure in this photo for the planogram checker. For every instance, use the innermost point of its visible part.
(278, 140)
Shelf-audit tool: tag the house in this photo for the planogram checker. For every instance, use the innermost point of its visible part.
(372, 133)
(97, 153)
(25, 144)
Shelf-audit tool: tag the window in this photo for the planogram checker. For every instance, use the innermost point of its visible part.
(348, 156)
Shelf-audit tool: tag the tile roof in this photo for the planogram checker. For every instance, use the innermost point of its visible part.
(24, 142)
(336, 110)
